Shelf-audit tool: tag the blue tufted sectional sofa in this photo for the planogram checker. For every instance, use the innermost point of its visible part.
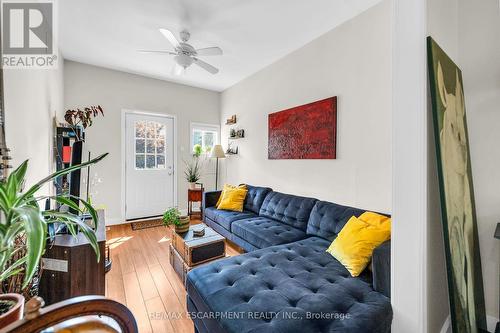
(286, 282)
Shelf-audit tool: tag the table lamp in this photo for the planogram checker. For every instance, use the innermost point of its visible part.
(217, 152)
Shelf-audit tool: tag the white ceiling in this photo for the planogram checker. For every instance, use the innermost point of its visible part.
(252, 33)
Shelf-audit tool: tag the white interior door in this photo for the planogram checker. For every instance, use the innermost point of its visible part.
(149, 165)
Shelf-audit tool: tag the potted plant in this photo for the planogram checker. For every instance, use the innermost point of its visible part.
(192, 172)
(23, 231)
(173, 216)
(11, 308)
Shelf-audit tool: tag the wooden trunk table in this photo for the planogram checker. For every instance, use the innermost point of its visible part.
(188, 251)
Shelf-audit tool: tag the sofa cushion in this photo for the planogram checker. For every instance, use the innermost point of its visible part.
(226, 217)
(255, 198)
(262, 232)
(327, 219)
(289, 209)
(295, 287)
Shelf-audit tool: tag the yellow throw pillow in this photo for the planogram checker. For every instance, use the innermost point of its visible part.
(355, 243)
(376, 219)
(227, 187)
(233, 198)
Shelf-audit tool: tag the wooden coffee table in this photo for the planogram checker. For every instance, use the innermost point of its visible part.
(188, 251)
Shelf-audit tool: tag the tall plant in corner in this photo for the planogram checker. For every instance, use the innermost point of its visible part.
(23, 219)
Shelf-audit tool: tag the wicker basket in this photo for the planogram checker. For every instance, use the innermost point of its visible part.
(183, 225)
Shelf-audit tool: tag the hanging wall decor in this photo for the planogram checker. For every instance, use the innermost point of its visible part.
(463, 261)
(304, 132)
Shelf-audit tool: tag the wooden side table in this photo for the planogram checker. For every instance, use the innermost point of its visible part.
(195, 195)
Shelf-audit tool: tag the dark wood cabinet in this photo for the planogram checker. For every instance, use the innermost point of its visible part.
(70, 267)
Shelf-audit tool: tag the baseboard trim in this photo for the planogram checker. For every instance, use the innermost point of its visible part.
(119, 220)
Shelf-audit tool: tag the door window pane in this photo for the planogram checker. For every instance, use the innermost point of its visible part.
(160, 146)
(140, 128)
(150, 129)
(139, 161)
(160, 161)
(150, 145)
(150, 161)
(160, 131)
(139, 146)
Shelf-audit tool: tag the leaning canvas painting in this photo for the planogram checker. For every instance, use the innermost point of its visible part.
(465, 282)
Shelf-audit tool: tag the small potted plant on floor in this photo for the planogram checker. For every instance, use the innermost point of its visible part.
(192, 172)
(173, 217)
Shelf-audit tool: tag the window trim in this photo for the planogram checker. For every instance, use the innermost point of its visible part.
(203, 127)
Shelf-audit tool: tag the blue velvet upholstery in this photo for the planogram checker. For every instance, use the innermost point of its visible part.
(262, 232)
(226, 217)
(327, 219)
(289, 209)
(255, 197)
(381, 268)
(279, 289)
(287, 273)
(210, 198)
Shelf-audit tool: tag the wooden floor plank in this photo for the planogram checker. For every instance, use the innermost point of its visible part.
(135, 301)
(114, 282)
(159, 318)
(143, 279)
(146, 283)
(175, 307)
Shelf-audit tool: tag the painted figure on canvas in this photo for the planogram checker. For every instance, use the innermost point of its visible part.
(460, 227)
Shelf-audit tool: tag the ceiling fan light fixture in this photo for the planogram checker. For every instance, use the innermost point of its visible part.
(185, 54)
(183, 60)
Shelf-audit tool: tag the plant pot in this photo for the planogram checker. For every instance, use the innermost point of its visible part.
(192, 186)
(15, 312)
(183, 225)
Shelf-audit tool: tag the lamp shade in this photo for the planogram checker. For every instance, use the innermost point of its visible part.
(218, 152)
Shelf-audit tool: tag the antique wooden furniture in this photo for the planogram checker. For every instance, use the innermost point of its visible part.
(188, 251)
(83, 314)
(70, 266)
(195, 195)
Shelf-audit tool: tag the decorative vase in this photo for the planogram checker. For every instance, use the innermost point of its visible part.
(15, 312)
(192, 186)
(183, 225)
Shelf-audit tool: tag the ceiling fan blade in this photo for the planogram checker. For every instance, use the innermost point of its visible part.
(157, 51)
(178, 70)
(209, 68)
(171, 38)
(209, 51)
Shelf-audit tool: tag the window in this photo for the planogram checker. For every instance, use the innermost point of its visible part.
(149, 145)
(207, 136)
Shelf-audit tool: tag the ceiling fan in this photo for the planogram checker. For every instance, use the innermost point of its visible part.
(185, 54)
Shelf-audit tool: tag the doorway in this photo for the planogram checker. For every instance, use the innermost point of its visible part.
(149, 165)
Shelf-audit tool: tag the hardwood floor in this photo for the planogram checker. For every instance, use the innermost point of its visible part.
(142, 279)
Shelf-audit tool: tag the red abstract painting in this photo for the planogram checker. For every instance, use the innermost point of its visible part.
(304, 132)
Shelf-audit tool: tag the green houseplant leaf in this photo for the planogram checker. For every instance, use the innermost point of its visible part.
(22, 217)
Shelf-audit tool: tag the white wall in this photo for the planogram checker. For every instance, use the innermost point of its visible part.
(32, 99)
(479, 58)
(353, 62)
(114, 91)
